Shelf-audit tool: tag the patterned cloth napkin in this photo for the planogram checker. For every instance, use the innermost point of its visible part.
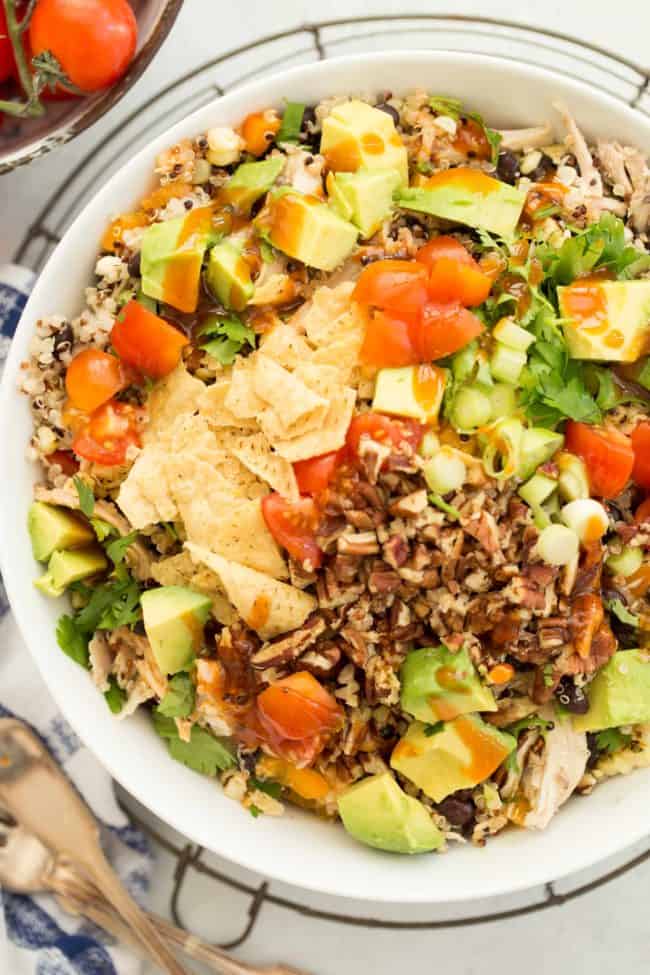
(36, 936)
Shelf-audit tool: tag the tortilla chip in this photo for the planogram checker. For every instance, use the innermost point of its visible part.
(285, 346)
(212, 407)
(145, 496)
(256, 455)
(179, 570)
(330, 436)
(343, 354)
(172, 396)
(329, 313)
(289, 398)
(241, 399)
(267, 606)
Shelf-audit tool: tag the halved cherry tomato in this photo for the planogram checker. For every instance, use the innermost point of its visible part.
(65, 460)
(451, 280)
(7, 60)
(472, 140)
(110, 431)
(607, 453)
(146, 341)
(397, 286)
(258, 130)
(641, 447)
(383, 429)
(93, 377)
(94, 41)
(642, 513)
(443, 329)
(314, 475)
(444, 246)
(293, 525)
(387, 341)
(298, 707)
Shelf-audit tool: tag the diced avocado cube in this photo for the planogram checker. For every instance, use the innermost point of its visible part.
(619, 693)
(466, 196)
(356, 135)
(53, 528)
(252, 180)
(174, 617)
(606, 320)
(71, 566)
(414, 391)
(536, 447)
(306, 229)
(377, 812)
(461, 754)
(438, 685)
(229, 276)
(171, 258)
(364, 197)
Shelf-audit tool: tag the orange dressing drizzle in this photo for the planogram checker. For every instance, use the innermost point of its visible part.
(586, 303)
(182, 274)
(427, 381)
(486, 753)
(372, 143)
(259, 613)
(344, 157)
(464, 178)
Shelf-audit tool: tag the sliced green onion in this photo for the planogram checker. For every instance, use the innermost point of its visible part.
(537, 446)
(445, 471)
(541, 518)
(503, 400)
(506, 363)
(463, 363)
(429, 445)
(448, 509)
(512, 335)
(471, 409)
(502, 448)
(573, 482)
(626, 562)
(291, 122)
(587, 518)
(558, 545)
(536, 491)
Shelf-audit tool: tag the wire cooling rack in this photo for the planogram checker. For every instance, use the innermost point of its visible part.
(620, 77)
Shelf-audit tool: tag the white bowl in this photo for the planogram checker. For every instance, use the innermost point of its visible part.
(298, 848)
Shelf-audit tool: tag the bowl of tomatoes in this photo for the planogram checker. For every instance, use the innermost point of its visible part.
(64, 63)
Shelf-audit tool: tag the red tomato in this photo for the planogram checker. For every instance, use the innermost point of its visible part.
(7, 60)
(642, 513)
(110, 431)
(298, 707)
(443, 329)
(258, 129)
(608, 456)
(293, 525)
(451, 280)
(65, 460)
(314, 475)
(472, 140)
(444, 246)
(387, 341)
(93, 40)
(641, 448)
(146, 341)
(398, 286)
(93, 377)
(383, 429)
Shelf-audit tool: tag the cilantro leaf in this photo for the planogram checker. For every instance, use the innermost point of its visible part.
(117, 550)
(178, 702)
(525, 724)
(86, 496)
(612, 740)
(202, 753)
(72, 640)
(114, 603)
(268, 786)
(115, 697)
(291, 122)
(102, 529)
(433, 729)
(601, 245)
(254, 811)
(620, 610)
(227, 337)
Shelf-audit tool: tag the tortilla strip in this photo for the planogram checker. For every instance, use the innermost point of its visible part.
(144, 496)
(172, 396)
(213, 409)
(255, 453)
(289, 398)
(267, 606)
(330, 436)
(285, 346)
(328, 314)
(241, 399)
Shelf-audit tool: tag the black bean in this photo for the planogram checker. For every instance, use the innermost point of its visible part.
(388, 732)
(134, 265)
(459, 812)
(63, 340)
(308, 117)
(507, 167)
(139, 628)
(572, 697)
(544, 168)
(394, 114)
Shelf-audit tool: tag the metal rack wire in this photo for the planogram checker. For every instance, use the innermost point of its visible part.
(620, 77)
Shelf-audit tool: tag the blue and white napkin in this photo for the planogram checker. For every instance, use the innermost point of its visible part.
(36, 936)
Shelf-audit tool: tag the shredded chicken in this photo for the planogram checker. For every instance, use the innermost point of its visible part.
(101, 660)
(536, 137)
(612, 162)
(303, 170)
(580, 149)
(550, 777)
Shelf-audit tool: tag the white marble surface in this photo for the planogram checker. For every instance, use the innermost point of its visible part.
(603, 932)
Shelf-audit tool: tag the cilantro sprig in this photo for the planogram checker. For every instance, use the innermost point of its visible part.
(226, 337)
(612, 740)
(179, 700)
(202, 753)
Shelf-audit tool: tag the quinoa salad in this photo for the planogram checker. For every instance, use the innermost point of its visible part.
(345, 465)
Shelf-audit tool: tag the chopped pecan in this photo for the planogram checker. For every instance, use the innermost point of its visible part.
(396, 551)
(289, 647)
(384, 581)
(359, 543)
(356, 645)
(411, 504)
(362, 520)
(372, 457)
(382, 684)
(553, 632)
(322, 661)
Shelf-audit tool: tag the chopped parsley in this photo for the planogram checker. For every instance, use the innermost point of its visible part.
(115, 696)
(86, 496)
(202, 753)
(227, 336)
(612, 740)
(178, 702)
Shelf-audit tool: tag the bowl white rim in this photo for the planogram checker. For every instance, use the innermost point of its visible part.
(337, 883)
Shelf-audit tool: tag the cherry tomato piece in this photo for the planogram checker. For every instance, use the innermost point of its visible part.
(607, 453)
(94, 41)
(642, 513)
(110, 431)
(444, 329)
(93, 377)
(387, 341)
(314, 475)
(65, 460)
(293, 525)
(444, 246)
(384, 429)
(259, 129)
(298, 707)
(471, 140)
(451, 280)
(146, 341)
(397, 286)
(7, 60)
(641, 446)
